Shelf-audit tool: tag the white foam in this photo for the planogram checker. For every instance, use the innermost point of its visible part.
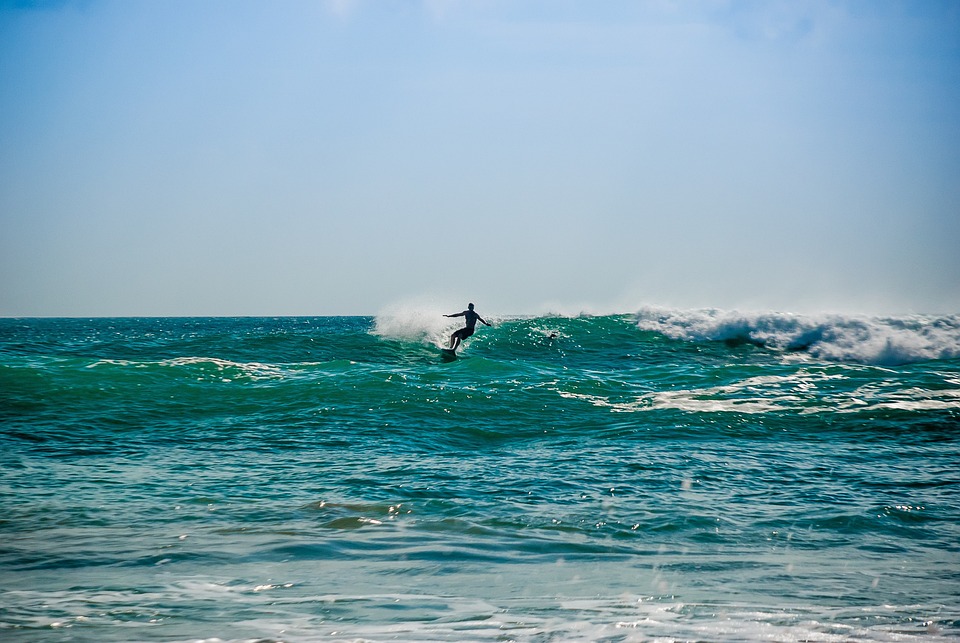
(250, 370)
(221, 367)
(754, 395)
(842, 338)
(284, 611)
(415, 321)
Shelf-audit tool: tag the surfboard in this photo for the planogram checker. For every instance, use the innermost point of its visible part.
(448, 354)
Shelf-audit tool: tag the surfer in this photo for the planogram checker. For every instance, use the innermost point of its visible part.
(471, 319)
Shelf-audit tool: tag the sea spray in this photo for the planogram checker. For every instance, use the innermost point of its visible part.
(422, 322)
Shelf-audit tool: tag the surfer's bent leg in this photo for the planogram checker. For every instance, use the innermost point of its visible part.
(463, 333)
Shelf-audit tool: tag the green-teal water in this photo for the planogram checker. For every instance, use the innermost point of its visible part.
(659, 476)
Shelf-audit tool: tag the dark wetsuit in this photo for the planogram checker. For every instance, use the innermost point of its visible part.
(471, 319)
(471, 323)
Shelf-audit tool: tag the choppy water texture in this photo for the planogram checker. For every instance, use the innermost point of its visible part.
(658, 476)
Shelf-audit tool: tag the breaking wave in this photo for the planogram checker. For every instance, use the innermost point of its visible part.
(883, 341)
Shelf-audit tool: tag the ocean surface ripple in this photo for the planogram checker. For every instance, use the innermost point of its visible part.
(658, 476)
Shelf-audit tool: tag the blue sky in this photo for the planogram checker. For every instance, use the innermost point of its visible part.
(276, 158)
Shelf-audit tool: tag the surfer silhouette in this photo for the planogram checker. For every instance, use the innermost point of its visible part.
(471, 318)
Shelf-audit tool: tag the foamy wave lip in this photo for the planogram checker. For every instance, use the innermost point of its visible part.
(885, 341)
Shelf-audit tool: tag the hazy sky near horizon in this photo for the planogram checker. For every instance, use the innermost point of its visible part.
(279, 158)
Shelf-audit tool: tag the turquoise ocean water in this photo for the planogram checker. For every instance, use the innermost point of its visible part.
(657, 476)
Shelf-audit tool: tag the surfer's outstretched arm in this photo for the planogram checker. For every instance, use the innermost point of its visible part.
(457, 315)
(484, 321)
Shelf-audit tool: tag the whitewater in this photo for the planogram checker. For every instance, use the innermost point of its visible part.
(659, 475)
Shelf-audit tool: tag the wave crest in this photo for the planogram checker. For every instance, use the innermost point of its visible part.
(884, 341)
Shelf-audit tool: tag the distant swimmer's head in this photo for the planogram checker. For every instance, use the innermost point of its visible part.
(470, 306)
